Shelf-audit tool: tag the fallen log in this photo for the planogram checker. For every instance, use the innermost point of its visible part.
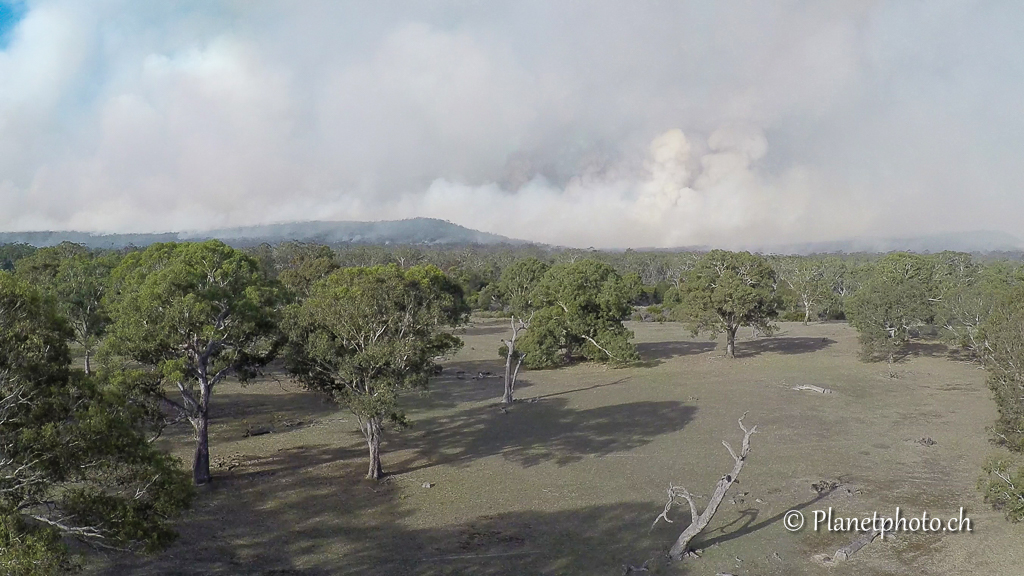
(818, 389)
(843, 554)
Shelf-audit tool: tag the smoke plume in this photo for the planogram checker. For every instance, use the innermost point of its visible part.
(601, 124)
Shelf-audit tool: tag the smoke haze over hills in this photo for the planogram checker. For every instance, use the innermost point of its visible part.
(606, 124)
(433, 232)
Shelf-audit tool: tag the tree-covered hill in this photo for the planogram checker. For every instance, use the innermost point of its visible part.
(428, 231)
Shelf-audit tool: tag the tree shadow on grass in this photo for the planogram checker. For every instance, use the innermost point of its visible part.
(781, 345)
(255, 518)
(651, 351)
(745, 524)
(460, 383)
(927, 349)
(308, 511)
(354, 528)
(233, 415)
(548, 430)
(574, 390)
(592, 541)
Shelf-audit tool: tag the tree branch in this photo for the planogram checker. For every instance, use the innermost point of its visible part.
(594, 342)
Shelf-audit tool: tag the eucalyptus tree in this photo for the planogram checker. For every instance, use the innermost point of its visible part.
(364, 335)
(580, 307)
(965, 302)
(808, 277)
(890, 304)
(75, 458)
(77, 279)
(302, 265)
(726, 290)
(11, 253)
(41, 267)
(516, 286)
(1003, 336)
(515, 290)
(194, 314)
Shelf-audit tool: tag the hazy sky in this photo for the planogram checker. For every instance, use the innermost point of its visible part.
(584, 123)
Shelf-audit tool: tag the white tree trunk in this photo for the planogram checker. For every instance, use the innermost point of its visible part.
(699, 521)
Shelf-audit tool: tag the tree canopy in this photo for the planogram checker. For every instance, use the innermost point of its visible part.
(365, 334)
(893, 301)
(1003, 337)
(515, 289)
(726, 290)
(810, 279)
(580, 309)
(303, 265)
(77, 279)
(1003, 351)
(194, 314)
(10, 254)
(75, 461)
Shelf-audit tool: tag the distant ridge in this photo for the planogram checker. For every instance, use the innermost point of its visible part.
(412, 231)
(981, 241)
(432, 231)
(977, 242)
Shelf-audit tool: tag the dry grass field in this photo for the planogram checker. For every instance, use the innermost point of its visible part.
(569, 480)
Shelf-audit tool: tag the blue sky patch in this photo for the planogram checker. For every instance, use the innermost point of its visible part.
(10, 14)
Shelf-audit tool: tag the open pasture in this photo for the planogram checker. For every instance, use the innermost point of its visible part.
(569, 479)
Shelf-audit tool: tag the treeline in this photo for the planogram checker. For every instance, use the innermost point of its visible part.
(159, 328)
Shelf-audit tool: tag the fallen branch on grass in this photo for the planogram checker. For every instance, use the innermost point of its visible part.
(813, 388)
(844, 553)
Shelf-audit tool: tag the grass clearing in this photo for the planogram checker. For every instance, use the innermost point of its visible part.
(569, 480)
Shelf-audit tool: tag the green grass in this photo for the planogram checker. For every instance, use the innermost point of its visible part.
(569, 483)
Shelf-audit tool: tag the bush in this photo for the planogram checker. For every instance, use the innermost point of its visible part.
(1003, 488)
(652, 313)
(1003, 335)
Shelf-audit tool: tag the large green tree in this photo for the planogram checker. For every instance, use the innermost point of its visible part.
(966, 300)
(366, 334)
(194, 314)
(580, 308)
(75, 460)
(1002, 334)
(515, 289)
(890, 304)
(10, 254)
(726, 290)
(42, 266)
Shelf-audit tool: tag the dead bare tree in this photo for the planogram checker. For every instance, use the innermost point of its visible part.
(698, 522)
(511, 354)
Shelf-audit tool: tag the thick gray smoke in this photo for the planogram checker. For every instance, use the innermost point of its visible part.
(576, 123)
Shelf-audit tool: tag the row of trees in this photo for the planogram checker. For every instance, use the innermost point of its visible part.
(168, 325)
(809, 287)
